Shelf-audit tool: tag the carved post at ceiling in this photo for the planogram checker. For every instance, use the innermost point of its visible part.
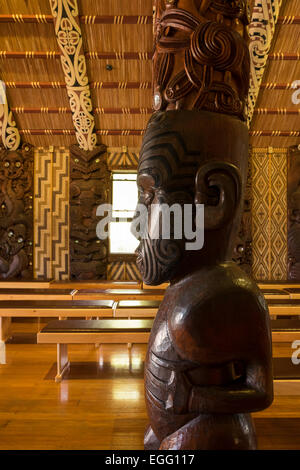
(89, 187)
(9, 132)
(209, 358)
(293, 200)
(69, 37)
(261, 31)
(16, 213)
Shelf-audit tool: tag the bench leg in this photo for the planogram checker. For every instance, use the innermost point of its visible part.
(2, 352)
(63, 363)
(5, 324)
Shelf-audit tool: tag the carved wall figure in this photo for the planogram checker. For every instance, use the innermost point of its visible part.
(294, 213)
(209, 358)
(89, 187)
(16, 213)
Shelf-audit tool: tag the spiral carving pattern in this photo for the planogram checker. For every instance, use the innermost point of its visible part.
(213, 55)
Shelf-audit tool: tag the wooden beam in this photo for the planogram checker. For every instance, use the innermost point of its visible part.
(110, 19)
(64, 110)
(140, 132)
(261, 31)
(120, 55)
(123, 132)
(94, 85)
(69, 38)
(9, 132)
(86, 19)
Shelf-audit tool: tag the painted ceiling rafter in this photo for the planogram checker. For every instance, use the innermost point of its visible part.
(69, 38)
(261, 30)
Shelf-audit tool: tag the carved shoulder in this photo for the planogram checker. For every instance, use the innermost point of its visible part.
(225, 318)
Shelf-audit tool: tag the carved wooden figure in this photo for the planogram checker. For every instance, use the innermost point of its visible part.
(16, 213)
(209, 358)
(294, 214)
(90, 182)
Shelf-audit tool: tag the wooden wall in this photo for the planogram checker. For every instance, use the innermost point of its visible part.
(269, 213)
(51, 213)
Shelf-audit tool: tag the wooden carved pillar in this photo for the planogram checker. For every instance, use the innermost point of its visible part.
(89, 187)
(16, 213)
(293, 200)
(209, 358)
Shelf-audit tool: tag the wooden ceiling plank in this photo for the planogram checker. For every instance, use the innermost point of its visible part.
(69, 37)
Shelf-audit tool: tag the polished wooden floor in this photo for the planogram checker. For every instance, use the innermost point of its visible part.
(100, 404)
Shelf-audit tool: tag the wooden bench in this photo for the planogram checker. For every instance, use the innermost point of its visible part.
(290, 307)
(37, 294)
(119, 294)
(64, 332)
(136, 308)
(57, 309)
(285, 331)
(95, 285)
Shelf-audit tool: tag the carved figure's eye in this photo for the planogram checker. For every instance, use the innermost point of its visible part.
(76, 160)
(18, 164)
(20, 240)
(6, 164)
(10, 233)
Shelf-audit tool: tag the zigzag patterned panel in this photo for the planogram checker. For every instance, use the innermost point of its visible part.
(123, 271)
(60, 214)
(122, 158)
(42, 213)
(269, 214)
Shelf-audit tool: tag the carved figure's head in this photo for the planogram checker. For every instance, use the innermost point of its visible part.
(15, 238)
(13, 165)
(191, 157)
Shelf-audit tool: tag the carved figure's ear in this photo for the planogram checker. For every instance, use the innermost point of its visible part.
(218, 187)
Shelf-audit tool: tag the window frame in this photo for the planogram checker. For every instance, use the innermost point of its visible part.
(120, 256)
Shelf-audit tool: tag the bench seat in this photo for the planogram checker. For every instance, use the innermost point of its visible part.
(285, 307)
(136, 308)
(62, 308)
(119, 294)
(64, 332)
(37, 294)
(285, 331)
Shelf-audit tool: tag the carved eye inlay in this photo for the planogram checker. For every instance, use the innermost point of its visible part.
(20, 240)
(6, 164)
(18, 164)
(10, 233)
(76, 241)
(76, 160)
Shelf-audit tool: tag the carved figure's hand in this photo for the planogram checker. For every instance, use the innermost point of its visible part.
(179, 392)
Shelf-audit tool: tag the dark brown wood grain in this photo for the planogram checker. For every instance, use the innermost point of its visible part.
(209, 358)
(16, 213)
(293, 200)
(89, 187)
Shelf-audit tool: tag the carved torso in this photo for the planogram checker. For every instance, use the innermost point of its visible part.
(179, 359)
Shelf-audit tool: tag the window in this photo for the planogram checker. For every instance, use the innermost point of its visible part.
(124, 201)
